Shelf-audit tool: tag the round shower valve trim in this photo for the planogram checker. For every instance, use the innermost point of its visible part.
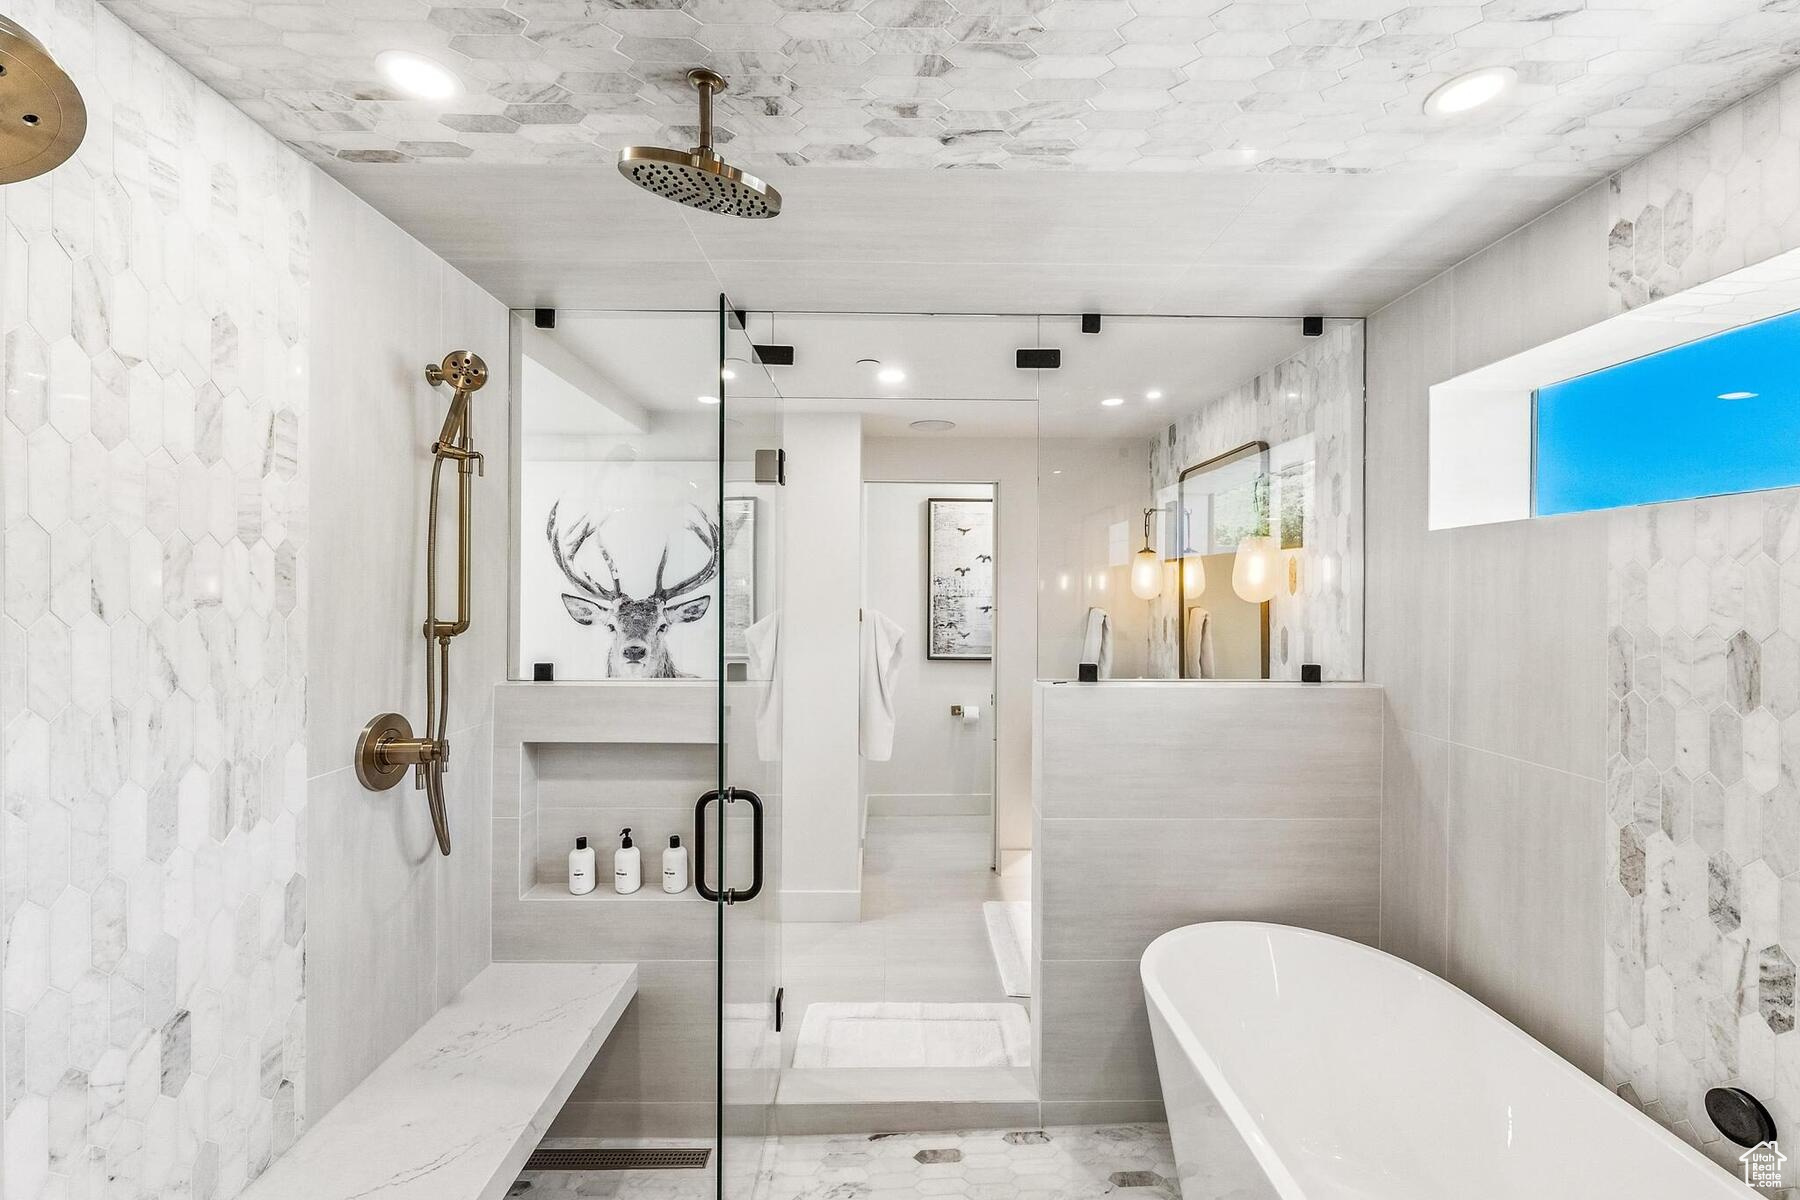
(386, 748)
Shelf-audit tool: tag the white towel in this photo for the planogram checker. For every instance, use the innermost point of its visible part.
(1096, 642)
(881, 643)
(1199, 664)
(762, 645)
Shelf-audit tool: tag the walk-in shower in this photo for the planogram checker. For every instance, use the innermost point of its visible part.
(386, 746)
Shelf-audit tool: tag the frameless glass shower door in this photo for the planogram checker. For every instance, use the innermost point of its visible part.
(742, 818)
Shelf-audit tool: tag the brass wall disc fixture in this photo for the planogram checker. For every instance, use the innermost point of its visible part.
(42, 117)
(384, 750)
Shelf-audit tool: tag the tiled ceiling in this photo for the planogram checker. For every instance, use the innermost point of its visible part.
(1165, 85)
(1168, 156)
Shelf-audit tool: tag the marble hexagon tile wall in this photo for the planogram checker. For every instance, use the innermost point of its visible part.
(1702, 885)
(1720, 198)
(152, 698)
(1703, 875)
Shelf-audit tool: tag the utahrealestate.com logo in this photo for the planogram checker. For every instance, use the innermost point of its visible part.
(1762, 1165)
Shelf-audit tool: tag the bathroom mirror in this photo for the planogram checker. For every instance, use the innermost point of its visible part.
(1220, 563)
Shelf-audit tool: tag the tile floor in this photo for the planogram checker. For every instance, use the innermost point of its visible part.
(1134, 1162)
(922, 936)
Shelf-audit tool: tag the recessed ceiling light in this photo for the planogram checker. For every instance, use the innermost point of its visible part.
(1470, 90)
(932, 426)
(417, 76)
(707, 399)
(1153, 395)
(891, 375)
(1737, 395)
(1112, 402)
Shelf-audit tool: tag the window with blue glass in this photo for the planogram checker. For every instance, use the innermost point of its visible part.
(1707, 418)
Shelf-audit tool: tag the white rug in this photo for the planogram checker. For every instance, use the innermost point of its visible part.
(913, 1035)
(1009, 933)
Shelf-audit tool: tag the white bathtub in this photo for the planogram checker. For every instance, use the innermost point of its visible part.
(1306, 1067)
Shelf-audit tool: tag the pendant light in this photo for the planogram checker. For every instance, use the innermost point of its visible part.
(1253, 572)
(1193, 575)
(1146, 567)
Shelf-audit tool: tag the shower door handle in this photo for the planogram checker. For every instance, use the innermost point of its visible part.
(700, 807)
(730, 894)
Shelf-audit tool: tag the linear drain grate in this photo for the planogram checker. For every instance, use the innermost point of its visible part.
(667, 1159)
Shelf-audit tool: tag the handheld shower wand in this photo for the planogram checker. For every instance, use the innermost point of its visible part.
(386, 746)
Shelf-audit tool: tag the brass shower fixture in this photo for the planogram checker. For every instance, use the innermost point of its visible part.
(42, 116)
(386, 747)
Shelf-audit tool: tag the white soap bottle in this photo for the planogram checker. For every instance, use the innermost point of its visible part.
(628, 874)
(581, 868)
(675, 866)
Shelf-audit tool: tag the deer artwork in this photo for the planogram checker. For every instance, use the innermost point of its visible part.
(639, 626)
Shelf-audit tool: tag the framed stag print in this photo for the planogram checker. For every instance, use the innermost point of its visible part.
(959, 587)
(620, 569)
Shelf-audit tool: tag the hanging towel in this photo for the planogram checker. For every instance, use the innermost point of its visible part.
(1096, 642)
(762, 643)
(881, 642)
(1199, 664)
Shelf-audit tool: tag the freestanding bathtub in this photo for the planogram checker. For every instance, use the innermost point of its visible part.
(1306, 1067)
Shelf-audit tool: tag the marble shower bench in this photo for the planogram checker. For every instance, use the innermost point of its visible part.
(454, 1112)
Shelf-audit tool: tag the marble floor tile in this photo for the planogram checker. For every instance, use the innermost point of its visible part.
(1063, 1163)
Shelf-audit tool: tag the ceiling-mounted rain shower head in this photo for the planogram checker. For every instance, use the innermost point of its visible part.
(699, 178)
(42, 118)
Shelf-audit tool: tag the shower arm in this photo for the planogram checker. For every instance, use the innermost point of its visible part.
(705, 82)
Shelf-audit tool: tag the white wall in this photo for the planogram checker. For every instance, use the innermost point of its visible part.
(1492, 800)
(395, 929)
(1012, 465)
(822, 519)
(940, 764)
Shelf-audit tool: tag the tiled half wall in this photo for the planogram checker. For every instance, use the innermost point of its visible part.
(1262, 799)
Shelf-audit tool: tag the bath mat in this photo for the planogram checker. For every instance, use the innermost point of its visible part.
(913, 1035)
(1009, 933)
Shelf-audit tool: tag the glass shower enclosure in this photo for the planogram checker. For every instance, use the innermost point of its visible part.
(741, 866)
